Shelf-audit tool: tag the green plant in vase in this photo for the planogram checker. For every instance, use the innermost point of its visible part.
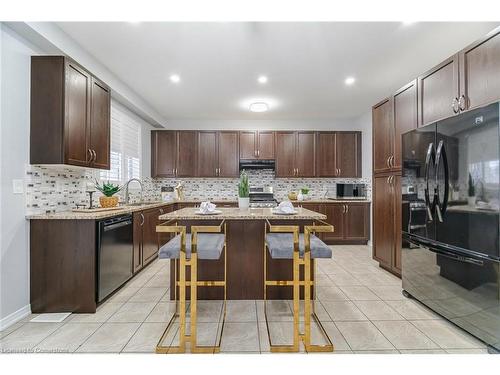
(243, 191)
(108, 190)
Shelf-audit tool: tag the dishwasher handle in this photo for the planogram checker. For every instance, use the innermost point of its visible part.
(114, 224)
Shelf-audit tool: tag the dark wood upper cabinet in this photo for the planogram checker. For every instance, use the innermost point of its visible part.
(70, 114)
(163, 153)
(285, 154)
(405, 117)
(187, 143)
(265, 144)
(305, 154)
(383, 135)
(256, 144)
(480, 72)
(228, 152)
(348, 154)
(100, 117)
(207, 162)
(326, 162)
(248, 145)
(438, 92)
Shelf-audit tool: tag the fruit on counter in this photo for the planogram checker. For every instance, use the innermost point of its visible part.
(292, 195)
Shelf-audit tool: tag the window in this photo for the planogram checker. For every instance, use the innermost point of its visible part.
(125, 146)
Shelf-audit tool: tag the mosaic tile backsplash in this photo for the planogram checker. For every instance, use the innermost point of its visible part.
(60, 188)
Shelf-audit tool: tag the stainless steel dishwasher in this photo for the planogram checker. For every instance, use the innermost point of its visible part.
(115, 251)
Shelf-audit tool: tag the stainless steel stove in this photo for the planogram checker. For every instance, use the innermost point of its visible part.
(262, 197)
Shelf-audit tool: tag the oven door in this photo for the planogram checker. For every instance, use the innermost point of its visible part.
(461, 287)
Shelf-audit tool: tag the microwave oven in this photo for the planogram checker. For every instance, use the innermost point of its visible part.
(351, 191)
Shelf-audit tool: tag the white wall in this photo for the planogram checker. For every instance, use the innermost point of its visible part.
(15, 120)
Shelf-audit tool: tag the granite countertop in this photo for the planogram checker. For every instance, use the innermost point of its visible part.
(326, 200)
(246, 214)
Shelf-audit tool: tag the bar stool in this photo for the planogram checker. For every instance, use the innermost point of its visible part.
(206, 242)
(286, 242)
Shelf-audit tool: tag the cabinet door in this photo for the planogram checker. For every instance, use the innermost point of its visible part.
(186, 154)
(348, 154)
(396, 261)
(100, 122)
(77, 121)
(383, 220)
(285, 154)
(138, 219)
(480, 72)
(265, 144)
(150, 237)
(304, 156)
(335, 217)
(229, 161)
(207, 154)
(357, 221)
(163, 153)
(248, 145)
(405, 117)
(326, 163)
(438, 91)
(382, 135)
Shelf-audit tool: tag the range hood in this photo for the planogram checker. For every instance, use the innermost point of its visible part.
(257, 164)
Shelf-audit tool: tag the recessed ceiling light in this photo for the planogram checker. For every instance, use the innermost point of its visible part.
(350, 81)
(175, 78)
(259, 107)
(262, 79)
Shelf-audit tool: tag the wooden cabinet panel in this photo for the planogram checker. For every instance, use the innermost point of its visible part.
(163, 152)
(207, 154)
(228, 151)
(437, 89)
(480, 72)
(405, 117)
(77, 122)
(285, 154)
(357, 221)
(186, 153)
(149, 236)
(100, 132)
(382, 135)
(304, 156)
(348, 154)
(248, 145)
(265, 145)
(383, 220)
(138, 219)
(335, 217)
(326, 163)
(396, 261)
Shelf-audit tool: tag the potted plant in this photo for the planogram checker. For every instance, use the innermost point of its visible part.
(243, 191)
(471, 199)
(108, 190)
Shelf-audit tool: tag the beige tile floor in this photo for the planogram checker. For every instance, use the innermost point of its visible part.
(359, 304)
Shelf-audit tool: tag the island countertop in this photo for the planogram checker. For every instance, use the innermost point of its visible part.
(190, 213)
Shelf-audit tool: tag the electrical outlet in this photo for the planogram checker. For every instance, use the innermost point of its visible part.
(18, 186)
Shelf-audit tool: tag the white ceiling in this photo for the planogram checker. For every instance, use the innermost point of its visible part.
(306, 63)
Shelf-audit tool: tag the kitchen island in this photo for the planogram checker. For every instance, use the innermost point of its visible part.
(245, 230)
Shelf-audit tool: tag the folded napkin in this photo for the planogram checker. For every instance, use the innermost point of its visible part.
(206, 207)
(286, 207)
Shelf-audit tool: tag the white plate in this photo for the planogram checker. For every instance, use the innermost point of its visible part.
(214, 212)
(279, 212)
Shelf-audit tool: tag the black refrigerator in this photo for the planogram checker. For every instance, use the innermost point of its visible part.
(453, 265)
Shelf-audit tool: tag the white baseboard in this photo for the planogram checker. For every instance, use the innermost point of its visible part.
(15, 317)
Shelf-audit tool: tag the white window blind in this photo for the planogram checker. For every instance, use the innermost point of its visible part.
(125, 147)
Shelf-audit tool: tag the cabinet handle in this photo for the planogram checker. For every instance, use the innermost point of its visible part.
(455, 105)
(258, 153)
(388, 162)
(391, 161)
(90, 152)
(462, 102)
(95, 155)
(142, 217)
(346, 208)
(339, 172)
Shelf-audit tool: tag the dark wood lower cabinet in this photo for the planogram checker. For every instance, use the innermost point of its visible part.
(351, 222)
(387, 222)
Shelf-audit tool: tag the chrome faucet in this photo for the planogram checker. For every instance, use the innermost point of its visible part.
(126, 189)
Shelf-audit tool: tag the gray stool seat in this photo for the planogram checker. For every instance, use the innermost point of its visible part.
(280, 246)
(210, 246)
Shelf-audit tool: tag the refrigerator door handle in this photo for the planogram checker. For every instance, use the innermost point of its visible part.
(441, 154)
(429, 157)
